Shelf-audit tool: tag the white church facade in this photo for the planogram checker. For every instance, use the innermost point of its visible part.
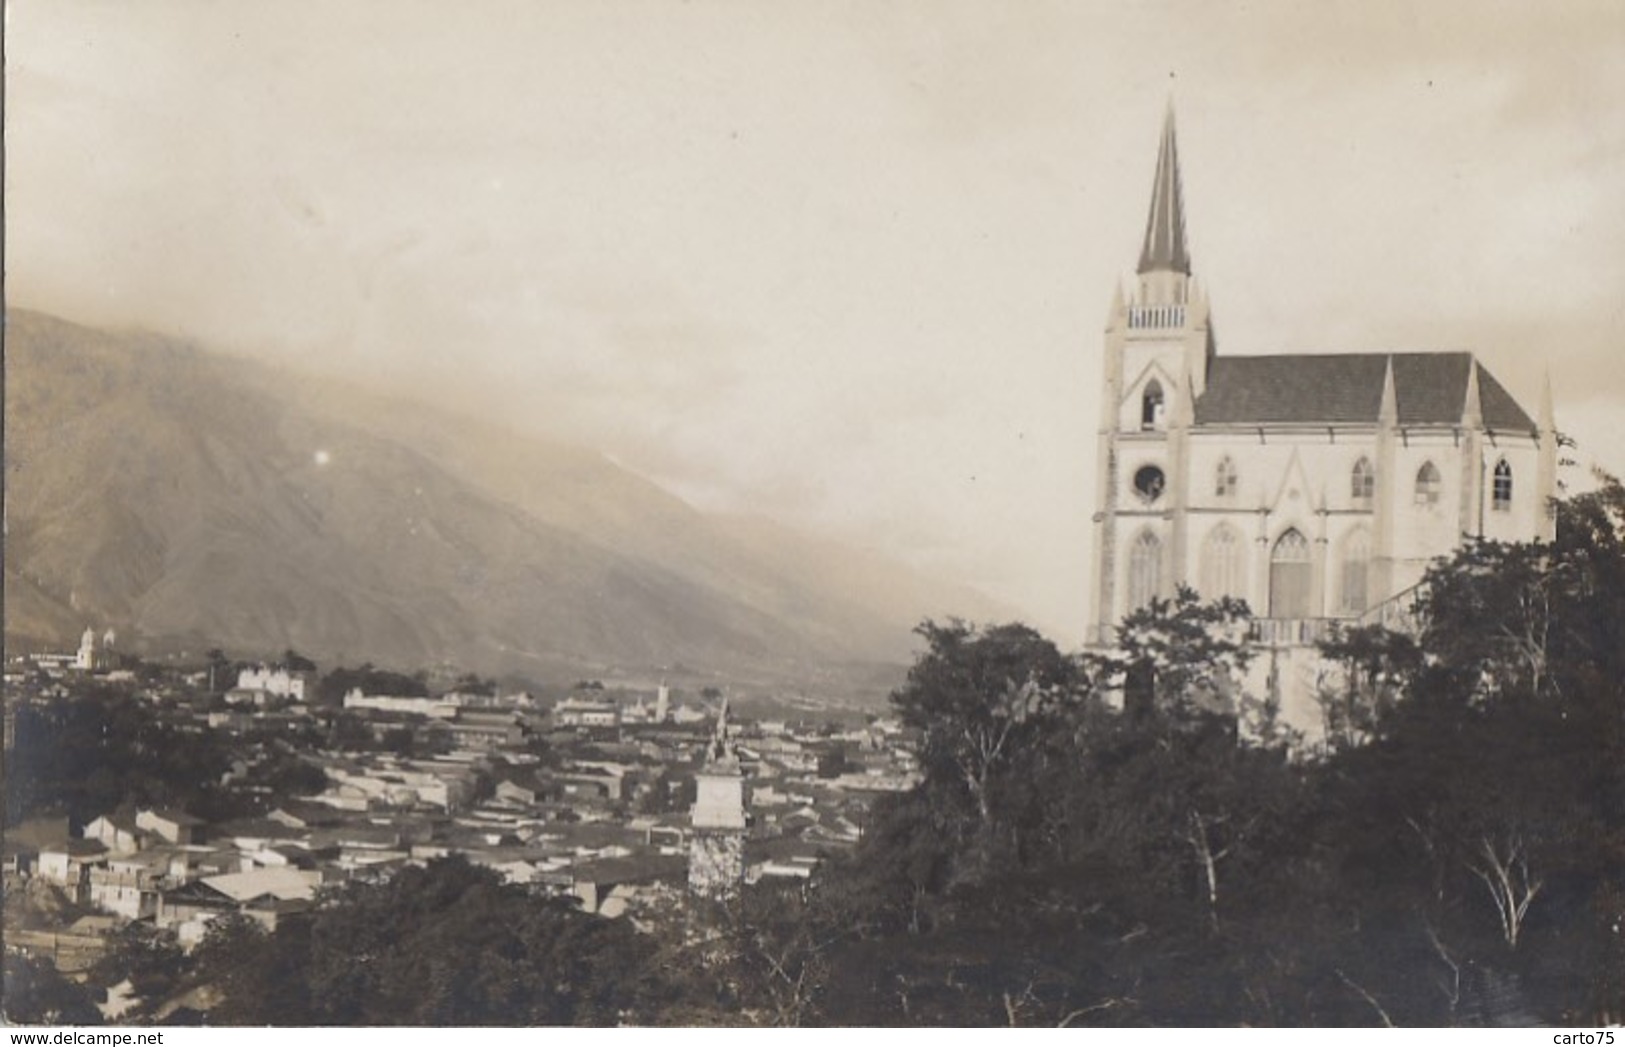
(1317, 487)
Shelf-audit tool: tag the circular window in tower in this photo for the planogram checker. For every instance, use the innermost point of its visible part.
(1149, 482)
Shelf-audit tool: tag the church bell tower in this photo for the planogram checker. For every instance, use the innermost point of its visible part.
(716, 851)
(1158, 343)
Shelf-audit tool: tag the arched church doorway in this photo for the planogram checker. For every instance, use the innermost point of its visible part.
(1290, 576)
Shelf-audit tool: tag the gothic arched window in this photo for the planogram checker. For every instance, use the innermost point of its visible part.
(1151, 406)
(1144, 570)
(1363, 481)
(1501, 490)
(1290, 571)
(1356, 570)
(1224, 478)
(1222, 567)
(1429, 485)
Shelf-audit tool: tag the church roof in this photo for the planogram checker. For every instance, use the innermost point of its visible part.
(1164, 248)
(1316, 389)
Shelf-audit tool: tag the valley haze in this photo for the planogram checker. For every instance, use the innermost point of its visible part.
(191, 500)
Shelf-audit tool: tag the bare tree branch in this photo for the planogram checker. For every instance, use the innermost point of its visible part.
(1511, 886)
(1387, 1022)
(1104, 1005)
(1452, 991)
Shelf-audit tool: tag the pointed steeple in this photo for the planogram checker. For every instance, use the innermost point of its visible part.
(1472, 408)
(1548, 418)
(1388, 413)
(1164, 249)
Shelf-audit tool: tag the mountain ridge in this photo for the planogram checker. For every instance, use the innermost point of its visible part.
(188, 498)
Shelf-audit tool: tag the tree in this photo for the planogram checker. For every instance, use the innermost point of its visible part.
(221, 676)
(149, 959)
(1536, 620)
(471, 683)
(1183, 654)
(259, 977)
(1491, 611)
(35, 994)
(293, 661)
(370, 680)
(981, 698)
(1374, 669)
(668, 792)
(444, 944)
(284, 772)
(1486, 804)
(84, 755)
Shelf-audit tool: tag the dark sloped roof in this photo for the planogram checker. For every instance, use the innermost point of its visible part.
(269, 828)
(175, 815)
(633, 868)
(35, 833)
(1317, 389)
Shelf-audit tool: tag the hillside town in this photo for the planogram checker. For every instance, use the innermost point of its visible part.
(591, 796)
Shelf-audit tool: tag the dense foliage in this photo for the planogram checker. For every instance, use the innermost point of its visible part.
(446, 944)
(87, 755)
(1453, 854)
(369, 680)
(36, 994)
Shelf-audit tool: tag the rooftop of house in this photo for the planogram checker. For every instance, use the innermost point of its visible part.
(495, 854)
(174, 815)
(277, 882)
(308, 813)
(786, 848)
(122, 818)
(632, 868)
(198, 893)
(94, 923)
(591, 834)
(148, 860)
(381, 837)
(35, 833)
(257, 828)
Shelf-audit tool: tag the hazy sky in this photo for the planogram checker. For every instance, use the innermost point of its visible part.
(845, 264)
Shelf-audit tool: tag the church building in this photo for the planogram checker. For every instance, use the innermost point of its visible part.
(1318, 487)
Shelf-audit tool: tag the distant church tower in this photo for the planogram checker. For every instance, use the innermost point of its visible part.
(716, 850)
(1317, 487)
(88, 658)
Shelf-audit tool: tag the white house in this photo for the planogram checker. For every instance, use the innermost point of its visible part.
(176, 827)
(278, 680)
(586, 712)
(118, 831)
(67, 864)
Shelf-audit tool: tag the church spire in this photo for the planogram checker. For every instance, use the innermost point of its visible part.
(1388, 412)
(1164, 249)
(1472, 409)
